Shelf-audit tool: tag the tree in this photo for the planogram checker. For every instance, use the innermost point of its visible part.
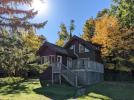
(123, 10)
(107, 33)
(116, 42)
(12, 16)
(103, 12)
(72, 27)
(88, 29)
(63, 35)
(18, 52)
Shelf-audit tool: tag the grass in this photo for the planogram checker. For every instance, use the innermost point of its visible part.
(31, 90)
(109, 91)
(21, 91)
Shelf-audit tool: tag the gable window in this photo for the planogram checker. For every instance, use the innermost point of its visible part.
(82, 49)
(86, 50)
(72, 47)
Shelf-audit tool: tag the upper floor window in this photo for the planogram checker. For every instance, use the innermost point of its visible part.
(86, 50)
(72, 47)
(82, 49)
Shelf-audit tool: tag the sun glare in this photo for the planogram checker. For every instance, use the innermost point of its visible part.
(40, 5)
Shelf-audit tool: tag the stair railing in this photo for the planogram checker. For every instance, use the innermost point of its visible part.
(69, 75)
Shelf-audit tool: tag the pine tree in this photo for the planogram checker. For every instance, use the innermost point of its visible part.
(72, 27)
(103, 12)
(12, 16)
(88, 29)
(63, 35)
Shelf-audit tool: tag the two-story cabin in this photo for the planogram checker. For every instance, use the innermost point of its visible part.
(78, 62)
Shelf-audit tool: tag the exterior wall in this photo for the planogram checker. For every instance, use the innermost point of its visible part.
(46, 52)
(89, 77)
(94, 55)
(64, 60)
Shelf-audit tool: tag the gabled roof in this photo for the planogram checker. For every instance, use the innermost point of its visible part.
(58, 49)
(82, 41)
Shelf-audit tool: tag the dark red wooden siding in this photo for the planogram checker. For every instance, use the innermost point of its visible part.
(46, 51)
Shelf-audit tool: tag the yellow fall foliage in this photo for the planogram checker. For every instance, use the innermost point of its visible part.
(60, 42)
(32, 41)
(106, 33)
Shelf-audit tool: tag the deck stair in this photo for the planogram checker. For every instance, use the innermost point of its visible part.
(69, 75)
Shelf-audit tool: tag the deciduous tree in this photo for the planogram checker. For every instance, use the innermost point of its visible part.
(123, 10)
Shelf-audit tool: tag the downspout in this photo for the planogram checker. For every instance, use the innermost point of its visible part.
(76, 77)
(76, 53)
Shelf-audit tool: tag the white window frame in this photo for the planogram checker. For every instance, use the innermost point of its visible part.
(47, 60)
(84, 48)
(87, 50)
(72, 47)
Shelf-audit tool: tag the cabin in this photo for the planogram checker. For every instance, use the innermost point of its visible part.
(78, 62)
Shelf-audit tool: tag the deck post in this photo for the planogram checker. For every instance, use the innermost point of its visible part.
(52, 76)
(60, 74)
(76, 80)
(60, 78)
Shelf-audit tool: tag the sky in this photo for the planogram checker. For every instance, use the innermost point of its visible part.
(62, 11)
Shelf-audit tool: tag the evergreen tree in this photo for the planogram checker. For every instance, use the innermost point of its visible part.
(63, 35)
(88, 29)
(18, 52)
(12, 16)
(72, 27)
(103, 12)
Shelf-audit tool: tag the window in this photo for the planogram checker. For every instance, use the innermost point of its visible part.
(82, 49)
(86, 50)
(72, 47)
(47, 59)
(42, 60)
(51, 59)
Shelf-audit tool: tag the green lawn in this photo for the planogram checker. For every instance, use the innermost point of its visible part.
(31, 90)
(107, 90)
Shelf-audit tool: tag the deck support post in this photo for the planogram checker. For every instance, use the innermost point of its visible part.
(52, 76)
(76, 80)
(60, 78)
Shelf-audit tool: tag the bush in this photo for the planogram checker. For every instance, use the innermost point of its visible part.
(10, 80)
(114, 75)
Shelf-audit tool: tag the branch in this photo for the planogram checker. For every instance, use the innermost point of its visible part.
(16, 1)
(14, 11)
(24, 25)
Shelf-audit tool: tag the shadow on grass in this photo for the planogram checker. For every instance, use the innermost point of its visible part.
(56, 92)
(20, 87)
